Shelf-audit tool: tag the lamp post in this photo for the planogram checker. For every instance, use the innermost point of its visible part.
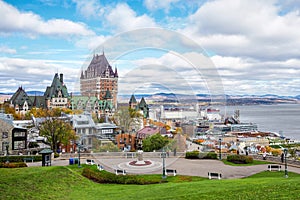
(163, 155)
(6, 147)
(79, 146)
(285, 163)
(220, 146)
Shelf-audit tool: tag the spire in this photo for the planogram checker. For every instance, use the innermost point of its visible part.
(116, 72)
(132, 99)
(82, 75)
(142, 103)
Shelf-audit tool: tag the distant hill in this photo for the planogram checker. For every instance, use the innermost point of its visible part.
(230, 99)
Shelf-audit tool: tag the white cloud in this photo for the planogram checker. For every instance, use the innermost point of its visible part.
(249, 76)
(153, 5)
(92, 43)
(247, 28)
(28, 23)
(4, 49)
(171, 71)
(88, 9)
(123, 18)
(32, 73)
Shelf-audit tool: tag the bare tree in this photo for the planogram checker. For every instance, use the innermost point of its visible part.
(127, 118)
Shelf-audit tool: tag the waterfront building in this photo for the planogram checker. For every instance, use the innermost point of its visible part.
(98, 78)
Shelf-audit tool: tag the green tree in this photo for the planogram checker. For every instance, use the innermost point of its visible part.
(57, 132)
(154, 142)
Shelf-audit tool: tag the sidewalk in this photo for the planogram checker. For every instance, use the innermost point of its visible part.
(182, 165)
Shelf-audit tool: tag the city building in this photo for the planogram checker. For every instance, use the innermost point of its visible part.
(55, 96)
(13, 139)
(99, 78)
(102, 108)
(126, 142)
(87, 130)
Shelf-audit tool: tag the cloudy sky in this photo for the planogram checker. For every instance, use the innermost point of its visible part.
(238, 46)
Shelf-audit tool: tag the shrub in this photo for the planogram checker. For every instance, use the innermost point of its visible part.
(107, 177)
(192, 155)
(211, 155)
(276, 152)
(12, 165)
(239, 159)
(56, 155)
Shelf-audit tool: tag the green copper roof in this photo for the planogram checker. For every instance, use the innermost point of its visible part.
(107, 95)
(46, 151)
(132, 99)
(56, 87)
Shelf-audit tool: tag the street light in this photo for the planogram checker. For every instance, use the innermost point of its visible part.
(220, 146)
(285, 169)
(163, 155)
(6, 146)
(79, 146)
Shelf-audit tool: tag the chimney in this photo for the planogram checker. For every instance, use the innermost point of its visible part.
(61, 78)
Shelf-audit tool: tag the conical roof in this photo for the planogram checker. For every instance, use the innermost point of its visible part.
(132, 99)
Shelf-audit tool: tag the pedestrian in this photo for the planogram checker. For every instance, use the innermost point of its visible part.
(264, 156)
(282, 157)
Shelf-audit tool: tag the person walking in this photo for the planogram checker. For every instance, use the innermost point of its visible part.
(265, 156)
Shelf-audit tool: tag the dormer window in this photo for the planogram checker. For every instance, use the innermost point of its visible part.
(59, 94)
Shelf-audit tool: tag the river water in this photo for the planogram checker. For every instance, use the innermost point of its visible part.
(278, 118)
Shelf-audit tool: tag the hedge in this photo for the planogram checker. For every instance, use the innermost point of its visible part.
(211, 155)
(35, 158)
(239, 159)
(107, 177)
(192, 155)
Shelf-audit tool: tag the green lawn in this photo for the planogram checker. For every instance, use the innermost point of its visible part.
(60, 182)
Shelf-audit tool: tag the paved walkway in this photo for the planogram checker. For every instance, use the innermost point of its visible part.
(182, 165)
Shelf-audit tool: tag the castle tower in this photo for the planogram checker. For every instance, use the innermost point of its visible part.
(98, 78)
(132, 102)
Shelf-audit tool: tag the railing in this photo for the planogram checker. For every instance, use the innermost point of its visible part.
(119, 155)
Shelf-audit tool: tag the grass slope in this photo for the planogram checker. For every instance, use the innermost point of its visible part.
(60, 182)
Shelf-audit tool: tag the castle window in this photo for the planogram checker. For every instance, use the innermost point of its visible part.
(5, 135)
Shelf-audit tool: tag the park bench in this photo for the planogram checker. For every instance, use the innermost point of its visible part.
(100, 167)
(129, 155)
(120, 171)
(212, 175)
(171, 171)
(27, 159)
(90, 162)
(274, 167)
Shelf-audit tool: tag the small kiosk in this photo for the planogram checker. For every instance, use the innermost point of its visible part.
(46, 157)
